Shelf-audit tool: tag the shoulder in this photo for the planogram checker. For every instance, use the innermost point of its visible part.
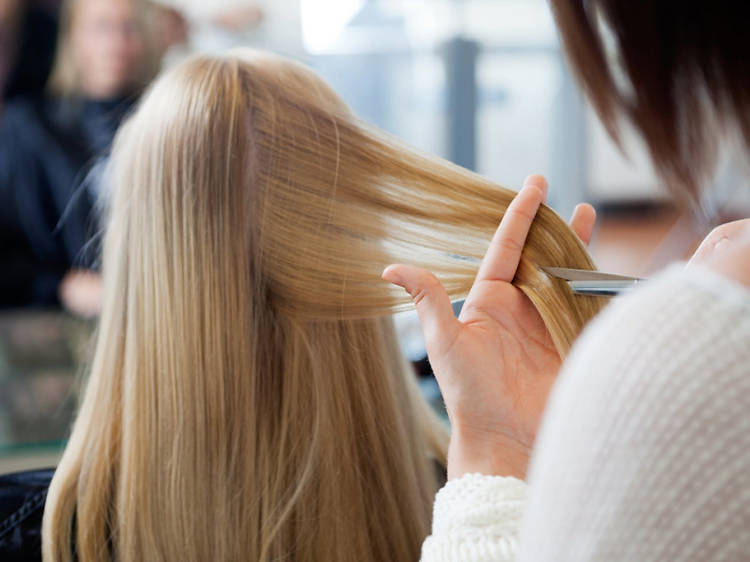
(22, 119)
(21, 108)
(684, 312)
(685, 331)
(661, 374)
(646, 435)
(22, 497)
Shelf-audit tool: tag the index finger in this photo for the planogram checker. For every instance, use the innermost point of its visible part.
(504, 253)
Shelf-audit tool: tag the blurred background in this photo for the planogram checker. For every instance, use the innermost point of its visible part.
(480, 82)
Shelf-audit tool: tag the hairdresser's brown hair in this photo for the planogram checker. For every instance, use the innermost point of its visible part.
(679, 69)
(247, 398)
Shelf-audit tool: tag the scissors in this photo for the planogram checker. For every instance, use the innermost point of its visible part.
(586, 282)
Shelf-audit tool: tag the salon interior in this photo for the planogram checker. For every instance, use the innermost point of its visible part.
(482, 83)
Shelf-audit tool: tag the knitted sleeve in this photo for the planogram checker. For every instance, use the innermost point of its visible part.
(476, 519)
(644, 451)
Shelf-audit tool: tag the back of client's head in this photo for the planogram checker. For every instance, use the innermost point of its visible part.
(247, 399)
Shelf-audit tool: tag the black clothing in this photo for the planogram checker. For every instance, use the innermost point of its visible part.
(48, 148)
(22, 497)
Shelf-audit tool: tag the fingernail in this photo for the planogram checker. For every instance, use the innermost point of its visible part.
(537, 180)
(390, 275)
(721, 244)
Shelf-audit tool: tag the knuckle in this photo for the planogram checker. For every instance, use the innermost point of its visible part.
(520, 214)
(418, 296)
(427, 287)
(508, 244)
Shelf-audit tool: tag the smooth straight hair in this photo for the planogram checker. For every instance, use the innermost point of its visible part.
(247, 398)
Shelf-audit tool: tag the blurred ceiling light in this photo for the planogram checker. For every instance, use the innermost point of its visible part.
(324, 20)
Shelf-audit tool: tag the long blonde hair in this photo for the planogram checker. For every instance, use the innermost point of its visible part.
(247, 398)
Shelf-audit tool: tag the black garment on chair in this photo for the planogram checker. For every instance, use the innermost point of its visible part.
(22, 497)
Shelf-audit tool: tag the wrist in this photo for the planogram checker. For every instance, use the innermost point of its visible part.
(494, 455)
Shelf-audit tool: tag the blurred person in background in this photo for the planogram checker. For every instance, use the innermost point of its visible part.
(48, 147)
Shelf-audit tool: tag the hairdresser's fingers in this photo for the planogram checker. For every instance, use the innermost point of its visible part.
(439, 324)
(582, 222)
(502, 258)
(718, 238)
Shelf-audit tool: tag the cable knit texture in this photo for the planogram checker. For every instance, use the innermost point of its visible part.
(476, 518)
(644, 451)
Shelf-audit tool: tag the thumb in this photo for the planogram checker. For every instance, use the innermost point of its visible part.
(439, 324)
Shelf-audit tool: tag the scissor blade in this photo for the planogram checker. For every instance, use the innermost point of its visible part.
(585, 275)
(602, 288)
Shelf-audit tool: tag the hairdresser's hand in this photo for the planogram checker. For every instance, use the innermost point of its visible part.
(496, 363)
(726, 250)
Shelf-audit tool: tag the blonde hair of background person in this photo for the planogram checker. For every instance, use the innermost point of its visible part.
(247, 397)
(77, 50)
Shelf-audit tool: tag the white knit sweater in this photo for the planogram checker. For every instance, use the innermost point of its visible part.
(644, 451)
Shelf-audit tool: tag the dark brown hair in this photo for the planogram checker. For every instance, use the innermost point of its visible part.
(686, 65)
